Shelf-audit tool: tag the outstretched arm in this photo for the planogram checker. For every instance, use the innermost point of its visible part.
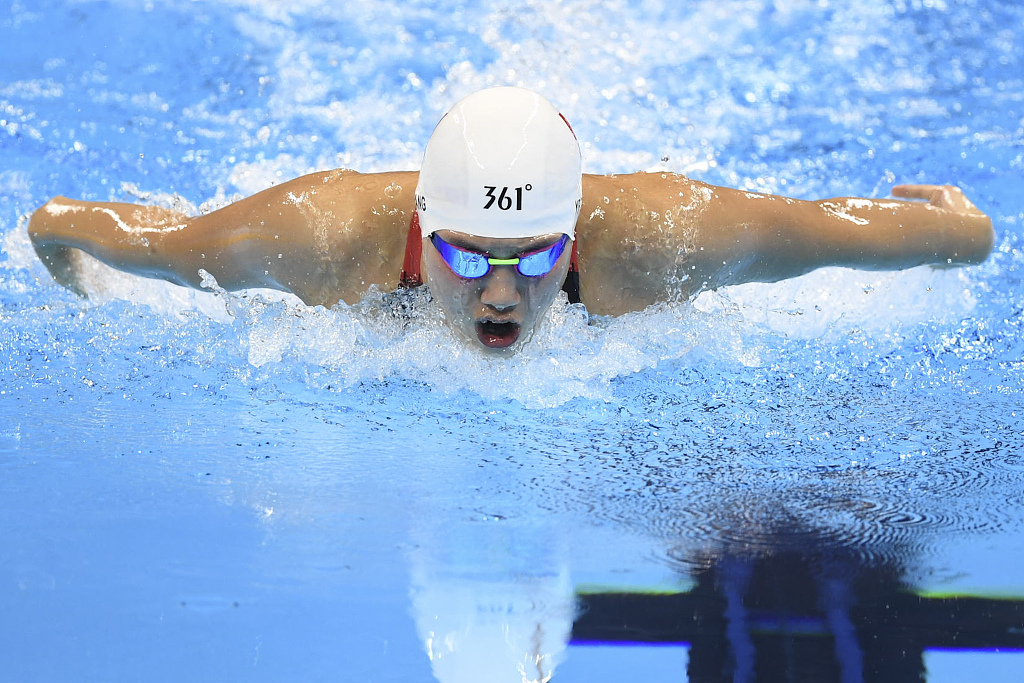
(870, 234)
(324, 237)
(651, 237)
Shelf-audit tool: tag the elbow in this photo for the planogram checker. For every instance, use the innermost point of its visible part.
(37, 226)
(42, 223)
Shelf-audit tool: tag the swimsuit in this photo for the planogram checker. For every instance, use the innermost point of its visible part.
(411, 276)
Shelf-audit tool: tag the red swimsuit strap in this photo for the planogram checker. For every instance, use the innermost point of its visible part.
(411, 276)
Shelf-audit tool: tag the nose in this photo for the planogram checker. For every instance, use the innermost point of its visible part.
(500, 290)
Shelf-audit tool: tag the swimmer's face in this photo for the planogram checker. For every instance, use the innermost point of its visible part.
(497, 312)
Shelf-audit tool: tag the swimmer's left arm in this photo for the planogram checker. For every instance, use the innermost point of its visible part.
(793, 237)
(650, 237)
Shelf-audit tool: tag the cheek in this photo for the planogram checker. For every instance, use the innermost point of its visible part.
(543, 293)
(538, 296)
(453, 293)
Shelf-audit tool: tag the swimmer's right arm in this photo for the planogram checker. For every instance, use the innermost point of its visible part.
(324, 237)
(117, 234)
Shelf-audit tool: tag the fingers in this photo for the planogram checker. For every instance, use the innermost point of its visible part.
(942, 196)
(926, 192)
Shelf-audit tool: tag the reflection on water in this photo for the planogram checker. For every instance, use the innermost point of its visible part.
(780, 603)
(804, 609)
(513, 630)
(491, 602)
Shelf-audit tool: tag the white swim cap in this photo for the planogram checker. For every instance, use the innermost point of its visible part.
(501, 163)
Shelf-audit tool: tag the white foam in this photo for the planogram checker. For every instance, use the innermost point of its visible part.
(832, 302)
(43, 88)
(568, 357)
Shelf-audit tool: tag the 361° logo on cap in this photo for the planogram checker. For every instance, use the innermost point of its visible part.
(503, 200)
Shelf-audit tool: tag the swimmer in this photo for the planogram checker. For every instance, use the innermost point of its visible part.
(499, 219)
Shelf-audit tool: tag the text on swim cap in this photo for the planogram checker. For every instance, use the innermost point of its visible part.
(504, 201)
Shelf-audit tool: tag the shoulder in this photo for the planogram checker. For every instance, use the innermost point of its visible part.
(634, 232)
(350, 191)
(342, 230)
(342, 202)
(361, 220)
(631, 208)
(649, 189)
(622, 206)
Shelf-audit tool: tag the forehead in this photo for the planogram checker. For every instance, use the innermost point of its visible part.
(494, 245)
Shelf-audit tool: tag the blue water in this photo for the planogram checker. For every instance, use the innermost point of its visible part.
(204, 486)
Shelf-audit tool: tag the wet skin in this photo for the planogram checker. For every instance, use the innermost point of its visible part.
(499, 311)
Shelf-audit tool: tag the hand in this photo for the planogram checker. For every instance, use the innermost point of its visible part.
(963, 217)
(940, 196)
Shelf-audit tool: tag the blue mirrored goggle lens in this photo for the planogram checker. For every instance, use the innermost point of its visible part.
(541, 262)
(466, 264)
(472, 265)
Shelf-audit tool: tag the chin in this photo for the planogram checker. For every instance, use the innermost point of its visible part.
(506, 352)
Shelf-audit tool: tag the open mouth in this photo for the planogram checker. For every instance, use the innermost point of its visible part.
(497, 335)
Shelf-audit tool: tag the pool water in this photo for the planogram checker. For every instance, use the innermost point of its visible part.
(821, 479)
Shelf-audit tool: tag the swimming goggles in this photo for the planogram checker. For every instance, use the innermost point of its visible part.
(475, 264)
